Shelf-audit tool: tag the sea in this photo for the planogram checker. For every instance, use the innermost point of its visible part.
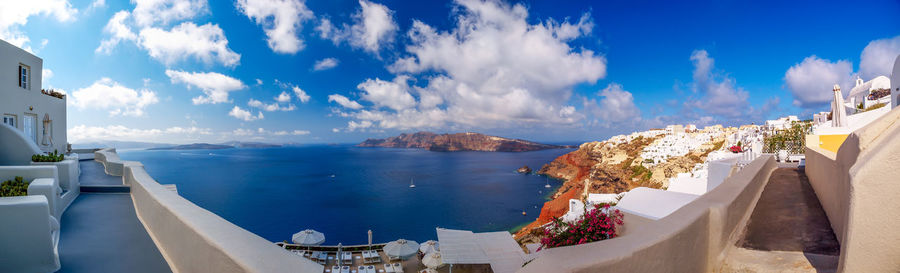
(344, 191)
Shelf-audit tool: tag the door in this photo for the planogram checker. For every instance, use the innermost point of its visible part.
(30, 127)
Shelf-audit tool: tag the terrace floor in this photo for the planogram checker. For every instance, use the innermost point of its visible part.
(100, 232)
(92, 173)
(788, 230)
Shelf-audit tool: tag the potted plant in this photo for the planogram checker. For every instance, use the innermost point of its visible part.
(67, 169)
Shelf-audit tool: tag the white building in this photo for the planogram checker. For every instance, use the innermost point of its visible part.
(862, 92)
(895, 83)
(780, 123)
(24, 106)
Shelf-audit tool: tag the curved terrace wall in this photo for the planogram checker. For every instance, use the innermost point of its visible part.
(694, 238)
(858, 188)
(193, 239)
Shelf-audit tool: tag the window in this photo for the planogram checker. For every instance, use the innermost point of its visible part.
(30, 127)
(24, 75)
(10, 120)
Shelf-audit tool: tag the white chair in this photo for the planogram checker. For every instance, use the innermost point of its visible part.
(32, 235)
(388, 268)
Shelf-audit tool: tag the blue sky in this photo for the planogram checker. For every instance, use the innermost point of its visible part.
(179, 71)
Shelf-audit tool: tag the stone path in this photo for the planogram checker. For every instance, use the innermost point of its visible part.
(787, 232)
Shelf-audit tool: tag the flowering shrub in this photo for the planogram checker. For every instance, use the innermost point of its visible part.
(597, 224)
(736, 149)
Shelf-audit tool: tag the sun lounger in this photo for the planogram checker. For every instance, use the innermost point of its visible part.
(388, 268)
(335, 269)
(376, 258)
(347, 257)
(361, 268)
(367, 258)
(398, 268)
(345, 269)
(370, 269)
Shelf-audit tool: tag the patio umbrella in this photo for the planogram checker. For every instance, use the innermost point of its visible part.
(401, 248)
(429, 246)
(429, 270)
(433, 260)
(308, 237)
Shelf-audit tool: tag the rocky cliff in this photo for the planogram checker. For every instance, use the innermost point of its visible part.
(601, 167)
(457, 142)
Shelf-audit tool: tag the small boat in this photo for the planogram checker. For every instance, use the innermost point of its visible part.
(523, 213)
(411, 184)
(332, 176)
(548, 184)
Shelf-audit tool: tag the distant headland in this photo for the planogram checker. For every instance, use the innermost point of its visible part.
(207, 146)
(458, 142)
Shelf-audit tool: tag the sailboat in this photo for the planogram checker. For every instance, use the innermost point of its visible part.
(411, 184)
(548, 183)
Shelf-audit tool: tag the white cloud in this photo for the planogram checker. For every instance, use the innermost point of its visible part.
(280, 19)
(270, 107)
(259, 82)
(300, 94)
(373, 26)
(84, 134)
(215, 86)
(206, 43)
(14, 14)
(493, 69)
(244, 115)
(151, 12)
(811, 81)
(393, 94)
(721, 96)
(344, 101)
(46, 74)
(97, 4)
(617, 105)
(109, 95)
(325, 64)
(242, 132)
(300, 132)
(118, 31)
(283, 97)
(877, 59)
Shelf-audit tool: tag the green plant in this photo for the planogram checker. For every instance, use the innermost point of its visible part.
(52, 157)
(873, 107)
(860, 106)
(15, 187)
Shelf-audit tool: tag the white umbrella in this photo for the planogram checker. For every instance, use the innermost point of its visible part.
(401, 248)
(838, 114)
(429, 246)
(433, 260)
(308, 237)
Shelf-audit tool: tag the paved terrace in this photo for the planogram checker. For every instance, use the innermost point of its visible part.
(788, 230)
(100, 232)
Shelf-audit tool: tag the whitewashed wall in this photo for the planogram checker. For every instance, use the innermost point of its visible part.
(19, 101)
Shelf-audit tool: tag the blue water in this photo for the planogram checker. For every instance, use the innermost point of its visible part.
(275, 192)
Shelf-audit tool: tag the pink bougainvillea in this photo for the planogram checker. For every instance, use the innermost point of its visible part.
(597, 224)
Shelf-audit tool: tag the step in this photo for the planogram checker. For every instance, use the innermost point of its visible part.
(106, 189)
(747, 260)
